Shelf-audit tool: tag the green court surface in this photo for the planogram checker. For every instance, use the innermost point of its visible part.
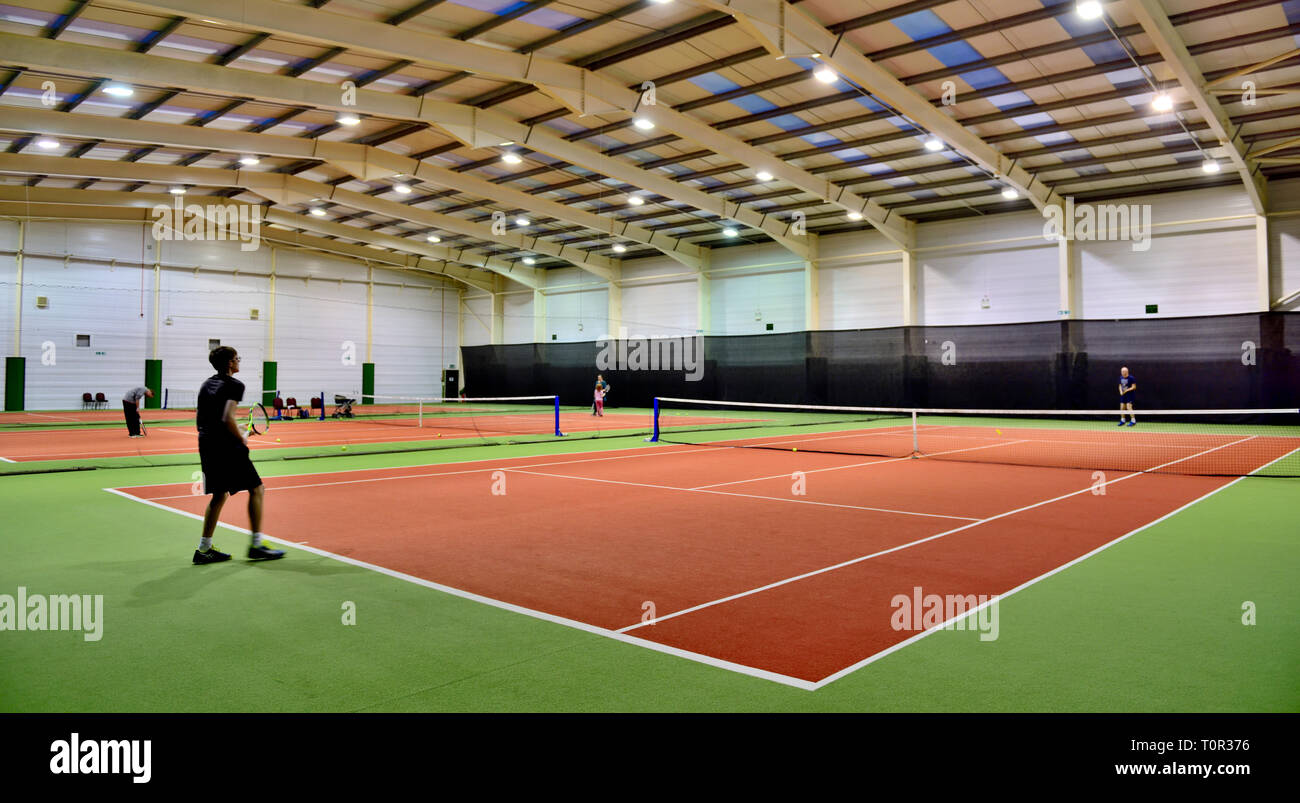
(1152, 623)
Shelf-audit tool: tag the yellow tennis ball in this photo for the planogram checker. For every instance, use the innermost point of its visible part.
(277, 440)
(345, 448)
(795, 449)
(998, 431)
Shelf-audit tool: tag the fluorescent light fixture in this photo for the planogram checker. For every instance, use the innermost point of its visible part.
(119, 90)
(934, 144)
(826, 75)
(404, 189)
(635, 200)
(730, 232)
(763, 175)
(347, 119)
(47, 143)
(620, 248)
(1010, 193)
(855, 216)
(1210, 166)
(1088, 9)
(249, 160)
(511, 158)
(529, 261)
(433, 238)
(177, 190)
(1162, 102)
(317, 211)
(643, 124)
(522, 221)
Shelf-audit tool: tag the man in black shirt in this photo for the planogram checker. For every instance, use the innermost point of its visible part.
(223, 452)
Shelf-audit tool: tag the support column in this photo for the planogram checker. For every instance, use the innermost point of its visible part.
(614, 317)
(539, 316)
(460, 337)
(1070, 304)
(157, 292)
(704, 296)
(370, 314)
(18, 293)
(1264, 295)
(911, 289)
(270, 314)
(498, 310)
(811, 301)
(15, 365)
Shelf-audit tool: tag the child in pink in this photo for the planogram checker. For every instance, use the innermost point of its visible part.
(600, 402)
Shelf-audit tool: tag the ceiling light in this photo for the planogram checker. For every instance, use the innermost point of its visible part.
(318, 212)
(511, 158)
(1010, 193)
(1088, 9)
(855, 216)
(934, 144)
(177, 190)
(47, 143)
(347, 119)
(249, 160)
(763, 175)
(643, 124)
(529, 261)
(119, 90)
(1210, 166)
(1162, 102)
(522, 221)
(433, 238)
(404, 189)
(620, 248)
(825, 74)
(730, 232)
(661, 2)
(635, 200)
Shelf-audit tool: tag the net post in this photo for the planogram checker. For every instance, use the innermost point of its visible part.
(322, 405)
(916, 446)
(419, 415)
(558, 433)
(165, 392)
(654, 434)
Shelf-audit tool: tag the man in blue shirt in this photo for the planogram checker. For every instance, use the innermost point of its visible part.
(1127, 396)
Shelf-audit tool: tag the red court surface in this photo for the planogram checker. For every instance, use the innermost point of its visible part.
(23, 445)
(742, 571)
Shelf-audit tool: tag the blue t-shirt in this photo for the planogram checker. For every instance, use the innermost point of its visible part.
(1129, 381)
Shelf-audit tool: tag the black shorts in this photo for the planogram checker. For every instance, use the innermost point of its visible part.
(226, 467)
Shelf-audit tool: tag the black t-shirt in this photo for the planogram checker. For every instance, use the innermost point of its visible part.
(213, 395)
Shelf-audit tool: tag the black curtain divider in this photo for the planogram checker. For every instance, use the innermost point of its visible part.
(1180, 363)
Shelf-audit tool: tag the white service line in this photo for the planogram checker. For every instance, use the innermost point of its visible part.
(746, 496)
(908, 545)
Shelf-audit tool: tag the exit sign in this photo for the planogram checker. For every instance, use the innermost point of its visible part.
(1152, 309)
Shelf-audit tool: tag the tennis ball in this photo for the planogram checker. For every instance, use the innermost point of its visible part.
(277, 440)
(345, 448)
(998, 431)
(795, 449)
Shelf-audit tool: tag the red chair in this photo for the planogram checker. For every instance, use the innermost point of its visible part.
(278, 404)
(87, 400)
(317, 403)
(293, 403)
(100, 400)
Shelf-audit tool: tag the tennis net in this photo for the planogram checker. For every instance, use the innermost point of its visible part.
(486, 417)
(1229, 443)
(177, 399)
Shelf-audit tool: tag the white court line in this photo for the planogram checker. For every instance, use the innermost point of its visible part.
(859, 465)
(560, 620)
(747, 496)
(873, 658)
(908, 545)
(7, 460)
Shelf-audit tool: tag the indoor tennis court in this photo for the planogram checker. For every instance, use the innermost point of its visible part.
(864, 356)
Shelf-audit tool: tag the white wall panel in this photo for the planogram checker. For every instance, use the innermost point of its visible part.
(89, 299)
(203, 306)
(410, 348)
(519, 317)
(659, 298)
(1209, 270)
(478, 319)
(744, 303)
(317, 324)
(861, 293)
(1020, 283)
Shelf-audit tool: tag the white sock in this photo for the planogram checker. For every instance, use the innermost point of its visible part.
(205, 543)
(257, 539)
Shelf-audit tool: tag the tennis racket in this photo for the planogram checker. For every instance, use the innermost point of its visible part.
(258, 420)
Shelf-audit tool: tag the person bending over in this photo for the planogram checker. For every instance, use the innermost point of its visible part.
(131, 408)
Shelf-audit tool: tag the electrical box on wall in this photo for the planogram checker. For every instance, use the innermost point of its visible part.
(42, 302)
(252, 314)
(1152, 309)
